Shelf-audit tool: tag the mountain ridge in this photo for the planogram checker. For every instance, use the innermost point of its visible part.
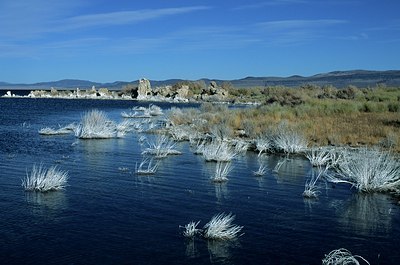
(360, 78)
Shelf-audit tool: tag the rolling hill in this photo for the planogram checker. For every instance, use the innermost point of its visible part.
(339, 79)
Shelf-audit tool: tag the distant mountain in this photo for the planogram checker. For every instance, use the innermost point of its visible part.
(339, 79)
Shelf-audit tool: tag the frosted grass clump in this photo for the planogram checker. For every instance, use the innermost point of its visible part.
(289, 141)
(222, 170)
(96, 125)
(218, 151)
(181, 132)
(61, 130)
(369, 170)
(146, 167)
(155, 110)
(263, 144)
(319, 156)
(311, 189)
(191, 229)
(220, 227)
(43, 179)
(261, 171)
(342, 256)
(241, 146)
(161, 147)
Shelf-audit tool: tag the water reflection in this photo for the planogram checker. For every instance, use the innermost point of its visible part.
(287, 170)
(220, 251)
(221, 191)
(46, 202)
(191, 249)
(367, 214)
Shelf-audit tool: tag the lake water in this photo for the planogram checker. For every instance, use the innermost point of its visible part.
(107, 215)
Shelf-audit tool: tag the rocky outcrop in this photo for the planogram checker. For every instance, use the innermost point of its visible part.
(144, 88)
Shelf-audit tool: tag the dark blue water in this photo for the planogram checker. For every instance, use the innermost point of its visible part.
(111, 216)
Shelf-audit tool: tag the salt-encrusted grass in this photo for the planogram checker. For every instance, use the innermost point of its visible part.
(261, 171)
(319, 156)
(263, 145)
(369, 170)
(220, 227)
(155, 110)
(181, 132)
(96, 125)
(191, 229)
(222, 170)
(218, 151)
(146, 167)
(289, 141)
(61, 130)
(311, 189)
(161, 147)
(342, 256)
(241, 146)
(43, 179)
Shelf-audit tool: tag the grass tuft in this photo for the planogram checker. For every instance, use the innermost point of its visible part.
(43, 179)
(220, 227)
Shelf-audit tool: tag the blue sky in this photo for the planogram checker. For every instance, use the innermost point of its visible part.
(106, 41)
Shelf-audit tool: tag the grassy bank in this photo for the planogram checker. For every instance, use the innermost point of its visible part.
(325, 116)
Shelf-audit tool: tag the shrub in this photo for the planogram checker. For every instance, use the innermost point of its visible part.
(43, 179)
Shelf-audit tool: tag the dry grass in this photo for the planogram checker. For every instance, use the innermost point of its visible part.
(355, 117)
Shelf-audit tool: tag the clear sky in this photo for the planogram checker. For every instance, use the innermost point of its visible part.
(106, 41)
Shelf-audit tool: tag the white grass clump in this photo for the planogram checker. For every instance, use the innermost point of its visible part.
(61, 130)
(369, 170)
(96, 125)
(241, 146)
(220, 227)
(43, 179)
(161, 147)
(218, 151)
(342, 256)
(311, 189)
(181, 132)
(261, 171)
(263, 144)
(289, 141)
(222, 170)
(146, 167)
(155, 110)
(191, 229)
(319, 156)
